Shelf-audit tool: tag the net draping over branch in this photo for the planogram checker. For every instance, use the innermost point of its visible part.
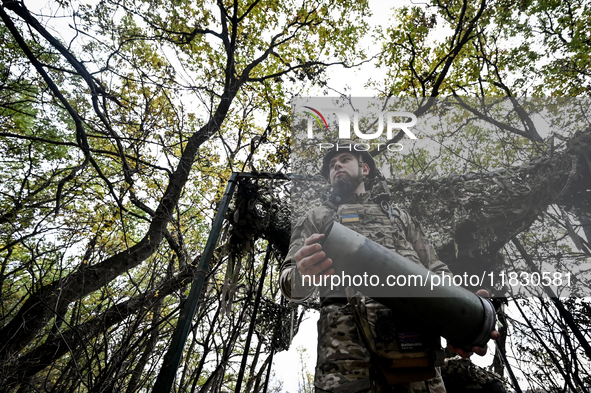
(469, 217)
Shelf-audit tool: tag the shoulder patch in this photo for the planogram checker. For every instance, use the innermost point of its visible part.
(349, 215)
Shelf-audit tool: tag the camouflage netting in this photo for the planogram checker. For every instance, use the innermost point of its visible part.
(462, 375)
(256, 213)
(468, 217)
(259, 211)
(282, 320)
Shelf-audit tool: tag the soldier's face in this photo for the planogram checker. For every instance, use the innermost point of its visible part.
(344, 173)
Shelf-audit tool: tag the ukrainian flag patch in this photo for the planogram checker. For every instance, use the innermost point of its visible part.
(349, 216)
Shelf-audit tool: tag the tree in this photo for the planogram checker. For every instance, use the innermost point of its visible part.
(120, 132)
(510, 49)
(306, 378)
(481, 189)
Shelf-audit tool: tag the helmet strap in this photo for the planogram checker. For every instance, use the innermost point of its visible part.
(360, 160)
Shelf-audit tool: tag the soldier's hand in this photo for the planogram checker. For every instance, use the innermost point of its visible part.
(481, 351)
(311, 260)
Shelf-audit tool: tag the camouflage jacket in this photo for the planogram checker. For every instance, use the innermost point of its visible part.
(344, 361)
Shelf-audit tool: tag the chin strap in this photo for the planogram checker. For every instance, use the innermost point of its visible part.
(360, 160)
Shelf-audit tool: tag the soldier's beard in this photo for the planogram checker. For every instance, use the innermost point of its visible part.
(346, 184)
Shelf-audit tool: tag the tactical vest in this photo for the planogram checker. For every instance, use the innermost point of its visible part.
(372, 222)
(398, 347)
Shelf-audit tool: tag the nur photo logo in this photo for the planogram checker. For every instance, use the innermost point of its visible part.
(393, 120)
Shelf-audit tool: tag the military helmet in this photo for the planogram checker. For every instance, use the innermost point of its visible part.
(346, 145)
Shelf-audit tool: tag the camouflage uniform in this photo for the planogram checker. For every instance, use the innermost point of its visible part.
(345, 363)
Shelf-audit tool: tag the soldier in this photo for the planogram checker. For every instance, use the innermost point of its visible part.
(359, 340)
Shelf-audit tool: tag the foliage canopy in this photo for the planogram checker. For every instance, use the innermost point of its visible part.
(121, 121)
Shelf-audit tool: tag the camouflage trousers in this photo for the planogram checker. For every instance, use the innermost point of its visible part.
(345, 364)
(434, 385)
